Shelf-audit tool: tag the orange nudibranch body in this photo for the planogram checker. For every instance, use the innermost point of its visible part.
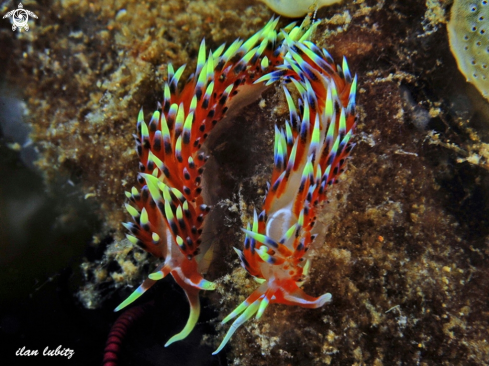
(310, 152)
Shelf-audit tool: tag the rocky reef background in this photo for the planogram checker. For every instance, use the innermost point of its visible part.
(405, 254)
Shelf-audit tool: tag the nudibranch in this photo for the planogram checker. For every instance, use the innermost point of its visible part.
(310, 152)
(169, 211)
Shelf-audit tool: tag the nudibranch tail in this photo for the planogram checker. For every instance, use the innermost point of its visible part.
(168, 211)
(194, 302)
(310, 152)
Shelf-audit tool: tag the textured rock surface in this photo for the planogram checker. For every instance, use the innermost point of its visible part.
(406, 249)
(85, 89)
(405, 255)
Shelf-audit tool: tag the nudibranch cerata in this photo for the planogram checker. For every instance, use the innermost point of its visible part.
(310, 152)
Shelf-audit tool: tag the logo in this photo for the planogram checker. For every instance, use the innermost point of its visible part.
(20, 17)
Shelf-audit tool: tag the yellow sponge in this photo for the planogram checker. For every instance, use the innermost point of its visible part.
(468, 32)
(297, 8)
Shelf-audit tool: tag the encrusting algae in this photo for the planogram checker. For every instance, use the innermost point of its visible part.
(405, 252)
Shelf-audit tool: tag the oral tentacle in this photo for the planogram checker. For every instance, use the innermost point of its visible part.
(247, 314)
(136, 294)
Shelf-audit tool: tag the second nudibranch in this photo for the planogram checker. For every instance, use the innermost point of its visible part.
(310, 152)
